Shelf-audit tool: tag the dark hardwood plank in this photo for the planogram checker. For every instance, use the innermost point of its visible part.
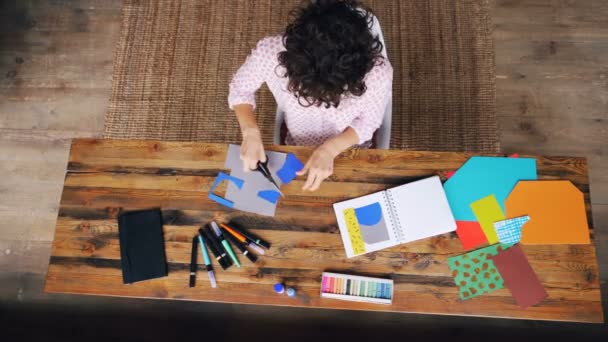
(106, 177)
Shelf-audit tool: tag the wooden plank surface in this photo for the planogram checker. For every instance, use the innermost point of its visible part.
(563, 94)
(105, 177)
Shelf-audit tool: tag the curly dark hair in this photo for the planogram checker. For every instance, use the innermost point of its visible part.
(329, 50)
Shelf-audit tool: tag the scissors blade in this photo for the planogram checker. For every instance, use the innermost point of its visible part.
(263, 168)
(275, 185)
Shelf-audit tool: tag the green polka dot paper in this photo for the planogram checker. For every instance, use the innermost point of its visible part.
(475, 273)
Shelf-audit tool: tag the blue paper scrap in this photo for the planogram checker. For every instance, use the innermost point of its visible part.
(483, 176)
(509, 230)
(271, 196)
(288, 172)
(220, 178)
(369, 215)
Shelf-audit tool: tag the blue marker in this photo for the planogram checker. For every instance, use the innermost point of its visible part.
(207, 261)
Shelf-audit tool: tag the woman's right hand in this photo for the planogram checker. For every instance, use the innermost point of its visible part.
(252, 149)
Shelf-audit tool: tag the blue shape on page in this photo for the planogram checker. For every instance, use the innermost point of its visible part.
(288, 171)
(479, 177)
(369, 215)
(271, 196)
(220, 178)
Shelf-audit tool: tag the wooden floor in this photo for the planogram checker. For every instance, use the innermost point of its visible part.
(55, 78)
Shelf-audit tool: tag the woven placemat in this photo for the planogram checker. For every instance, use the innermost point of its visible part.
(175, 59)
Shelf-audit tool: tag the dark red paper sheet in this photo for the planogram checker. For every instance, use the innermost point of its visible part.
(519, 277)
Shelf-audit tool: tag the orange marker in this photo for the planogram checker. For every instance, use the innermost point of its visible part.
(243, 239)
(233, 232)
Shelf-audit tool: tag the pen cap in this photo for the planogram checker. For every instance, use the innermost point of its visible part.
(251, 257)
(257, 248)
(263, 243)
(215, 228)
(279, 288)
(291, 292)
(212, 279)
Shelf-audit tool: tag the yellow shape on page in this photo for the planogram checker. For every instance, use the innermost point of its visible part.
(354, 231)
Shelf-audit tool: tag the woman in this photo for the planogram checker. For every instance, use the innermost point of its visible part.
(328, 74)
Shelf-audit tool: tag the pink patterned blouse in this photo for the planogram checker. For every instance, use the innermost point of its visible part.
(312, 125)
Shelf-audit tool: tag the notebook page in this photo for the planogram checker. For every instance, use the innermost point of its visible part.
(421, 209)
(365, 224)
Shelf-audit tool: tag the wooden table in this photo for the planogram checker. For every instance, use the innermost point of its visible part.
(107, 176)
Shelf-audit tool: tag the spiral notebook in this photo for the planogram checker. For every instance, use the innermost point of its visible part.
(384, 219)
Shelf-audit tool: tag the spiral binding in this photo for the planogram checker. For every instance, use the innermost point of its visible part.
(394, 218)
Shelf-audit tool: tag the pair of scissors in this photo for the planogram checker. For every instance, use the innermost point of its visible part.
(263, 169)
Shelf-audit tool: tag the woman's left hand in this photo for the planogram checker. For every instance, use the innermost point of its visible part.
(319, 166)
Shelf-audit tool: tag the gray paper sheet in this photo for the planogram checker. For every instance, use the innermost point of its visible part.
(246, 198)
(376, 233)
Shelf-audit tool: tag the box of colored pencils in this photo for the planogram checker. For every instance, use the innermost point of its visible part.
(356, 288)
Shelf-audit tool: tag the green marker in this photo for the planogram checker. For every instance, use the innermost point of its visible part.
(225, 243)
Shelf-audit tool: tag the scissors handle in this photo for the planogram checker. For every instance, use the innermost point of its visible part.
(263, 167)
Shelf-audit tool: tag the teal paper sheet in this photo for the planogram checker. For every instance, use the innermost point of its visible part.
(483, 176)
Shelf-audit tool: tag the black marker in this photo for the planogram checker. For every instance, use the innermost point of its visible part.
(193, 265)
(250, 236)
(242, 247)
(214, 249)
(225, 244)
(218, 245)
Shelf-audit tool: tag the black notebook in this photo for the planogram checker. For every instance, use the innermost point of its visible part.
(142, 247)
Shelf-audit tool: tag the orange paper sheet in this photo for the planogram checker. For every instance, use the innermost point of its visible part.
(556, 209)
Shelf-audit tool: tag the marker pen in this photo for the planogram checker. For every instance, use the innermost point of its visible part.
(207, 261)
(243, 239)
(250, 243)
(215, 249)
(242, 247)
(220, 236)
(193, 262)
(250, 236)
(218, 245)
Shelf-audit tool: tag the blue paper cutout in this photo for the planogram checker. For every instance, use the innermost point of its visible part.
(370, 214)
(509, 231)
(220, 178)
(271, 196)
(288, 172)
(483, 176)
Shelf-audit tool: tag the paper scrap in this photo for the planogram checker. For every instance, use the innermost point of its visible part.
(474, 272)
(370, 214)
(354, 231)
(220, 178)
(556, 209)
(288, 171)
(483, 176)
(509, 230)
(487, 212)
(271, 196)
(519, 277)
(470, 234)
